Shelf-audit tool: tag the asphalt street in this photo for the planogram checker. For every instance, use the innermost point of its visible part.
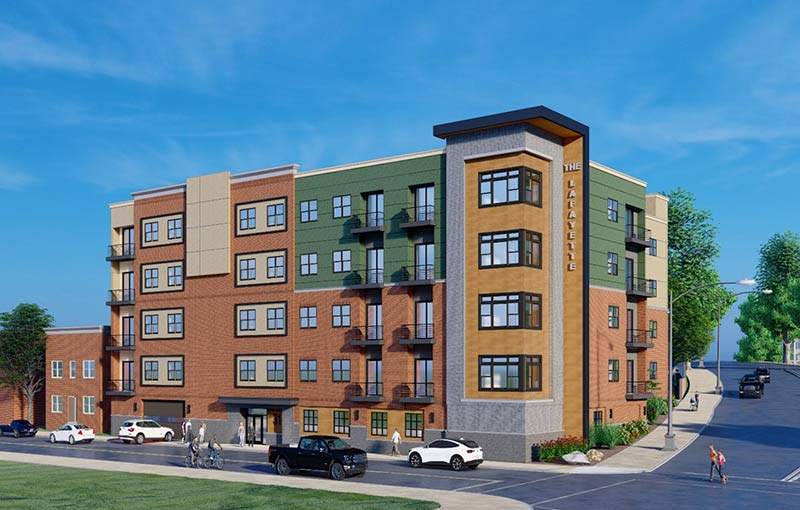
(758, 437)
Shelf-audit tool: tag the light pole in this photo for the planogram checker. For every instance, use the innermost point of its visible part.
(669, 437)
(718, 387)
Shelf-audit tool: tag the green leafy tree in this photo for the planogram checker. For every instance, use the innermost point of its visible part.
(22, 350)
(771, 322)
(692, 252)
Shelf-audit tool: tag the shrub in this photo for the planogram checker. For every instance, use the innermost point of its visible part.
(608, 435)
(636, 428)
(656, 406)
(549, 450)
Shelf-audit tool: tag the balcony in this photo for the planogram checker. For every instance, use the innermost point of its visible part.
(637, 237)
(367, 223)
(120, 343)
(640, 287)
(367, 279)
(416, 334)
(637, 390)
(118, 252)
(120, 297)
(417, 275)
(638, 339)
(417, 217)
(365, 336)
(415, 393)
(120, 388)
(364, 392)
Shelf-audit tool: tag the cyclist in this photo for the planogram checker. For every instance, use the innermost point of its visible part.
(194, 451)
(213, 447)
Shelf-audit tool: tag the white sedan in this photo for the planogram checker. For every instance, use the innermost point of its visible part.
(72, 433)
(456, 453)
(141, 430)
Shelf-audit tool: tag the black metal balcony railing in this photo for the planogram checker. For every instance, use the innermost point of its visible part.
(416, 390)
(365, 391)
(638, 336)
(120, 341)
(420, 216)
(367, 222)
(121, 251)
(636, 390)
(120, 296)
(366, 334)
(367, 278)
(417, 274)
(641, 287)
(120, 386)
(637, 233)
(416, 331)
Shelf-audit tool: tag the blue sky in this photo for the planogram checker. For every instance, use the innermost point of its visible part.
(114, 97)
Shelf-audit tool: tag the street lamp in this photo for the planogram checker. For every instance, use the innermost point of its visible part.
(718, 387)
(669, 437)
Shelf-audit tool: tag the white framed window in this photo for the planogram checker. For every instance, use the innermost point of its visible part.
(56, 369)
(308, 317)
(88, 405)
(308, 264)
(308, 211)
(341, 316)
(88, 369)
(341, 261)
(56, 404)
(73, 369)
(341, 206)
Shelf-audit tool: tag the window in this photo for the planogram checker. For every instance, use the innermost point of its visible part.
(341, 261)
(247, 269)
(413, 425)
(502, 187)
(151, 278)
(652, 287)
(308, 264)
(613, 263)
(275, 215)
(613, 370)
(151, 370)
(151, 232)
(275, 267)
(653, 250)
(151, 324)
(175, 228)
(308, 317)
(175, 323)
(72, 369)
(308, 370)
(247, 370)
(613, 210)
(503, 373)
(598, 418)
(57, 403)
(88, 405)
(502, 311)
(502, 249)
(533, 249)
(310, 420)
(341, 316)
(379, 423)
(247, 320)
(653, 329)
(652, 370)
(88, 369)
(308, 211)
(613, 317)
(340, 368)
(276, 370)
(275, 318)
(175, 276)
(341, 206)
(341, 422)
(247, 218)
(174, 370)
(56, 369)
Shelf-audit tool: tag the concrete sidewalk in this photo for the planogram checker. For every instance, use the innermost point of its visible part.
(449, 500)
(646, 454)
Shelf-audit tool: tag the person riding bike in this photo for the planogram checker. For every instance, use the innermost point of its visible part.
(194, 450)
(213, 447)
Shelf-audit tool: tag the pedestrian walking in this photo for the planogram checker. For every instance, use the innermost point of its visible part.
(721, 460)
(240, 433)
(189, 435)
(183, 431)
(396, 443)
(697, 399)
(202, 432)
(251, 436)
(712, 454)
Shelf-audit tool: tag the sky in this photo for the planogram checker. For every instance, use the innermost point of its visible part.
(115, 97)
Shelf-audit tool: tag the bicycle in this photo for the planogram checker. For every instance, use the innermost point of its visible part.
(193, 461)
(214, 460)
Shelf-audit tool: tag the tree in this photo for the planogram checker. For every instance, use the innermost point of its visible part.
(775, 318)
(692, 252)
(22, 350)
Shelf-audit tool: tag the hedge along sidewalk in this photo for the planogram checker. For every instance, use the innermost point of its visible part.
(646, 454)
(448, 500)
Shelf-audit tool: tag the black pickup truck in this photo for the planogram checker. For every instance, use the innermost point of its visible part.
(751, 386)
(319, 453)
(19, 428)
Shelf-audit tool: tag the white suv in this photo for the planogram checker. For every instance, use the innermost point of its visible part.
(141, 430)
(456, 453)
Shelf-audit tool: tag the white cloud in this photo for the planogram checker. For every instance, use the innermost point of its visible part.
(14, 180)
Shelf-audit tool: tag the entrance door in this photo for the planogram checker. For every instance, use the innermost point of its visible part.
(424, 320)
(375, 210)
(127, 241)
(630, 325)
(72, 409)
(257, 425)
(374, 377)
(374, 322)
(127, 376)
(631, 376)
(423, 378)
(127, 330)
(423, 199)
(127, 286)
(375, 265)
(424, 262)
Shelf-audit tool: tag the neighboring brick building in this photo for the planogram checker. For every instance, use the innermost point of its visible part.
(466, 290)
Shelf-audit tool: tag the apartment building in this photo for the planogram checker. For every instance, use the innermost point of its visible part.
(467, 290)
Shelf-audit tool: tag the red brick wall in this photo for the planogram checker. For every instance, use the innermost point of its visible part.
(78, 347)
(12, 405)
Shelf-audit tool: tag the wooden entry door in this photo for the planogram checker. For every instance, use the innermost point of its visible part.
(72, 409)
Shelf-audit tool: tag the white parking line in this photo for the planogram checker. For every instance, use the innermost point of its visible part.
(428, 475)
(736, 476)
(476, 486)
(581, 492)
(793, 476)
(525, 483)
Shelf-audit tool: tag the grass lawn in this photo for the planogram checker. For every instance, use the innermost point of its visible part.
(38, 487)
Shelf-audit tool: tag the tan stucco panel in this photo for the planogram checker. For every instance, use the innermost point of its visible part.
(163, 364)
(208, 224)
(261, 319)
(122, 215)
(163, 324)
(163, 277)
(163, 230)
(261, 370)
(261, 274)
(261, 217)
